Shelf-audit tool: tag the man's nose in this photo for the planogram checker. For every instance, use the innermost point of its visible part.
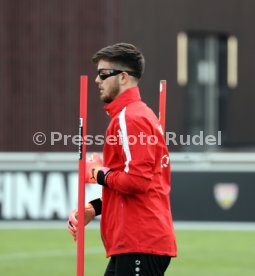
(97, 79)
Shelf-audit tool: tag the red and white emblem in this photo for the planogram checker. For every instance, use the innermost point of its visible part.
(226, 194)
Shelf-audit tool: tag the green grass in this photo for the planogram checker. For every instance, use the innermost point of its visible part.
(51, 252)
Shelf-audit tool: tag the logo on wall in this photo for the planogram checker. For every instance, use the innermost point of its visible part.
(226, 194)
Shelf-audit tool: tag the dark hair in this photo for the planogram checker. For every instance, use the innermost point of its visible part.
(124, 54)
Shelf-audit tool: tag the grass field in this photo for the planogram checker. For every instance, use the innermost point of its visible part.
(51, 252)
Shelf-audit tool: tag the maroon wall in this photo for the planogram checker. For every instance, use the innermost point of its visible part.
(46, 45)
(44, 48)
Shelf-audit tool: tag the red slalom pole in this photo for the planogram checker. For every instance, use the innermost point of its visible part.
(82, 168)
(162, 104)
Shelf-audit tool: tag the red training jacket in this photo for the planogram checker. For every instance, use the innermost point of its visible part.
(136, 213)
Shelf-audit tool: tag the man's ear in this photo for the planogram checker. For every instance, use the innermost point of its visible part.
(124, 78)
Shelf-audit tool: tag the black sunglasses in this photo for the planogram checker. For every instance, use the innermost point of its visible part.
(114, 72)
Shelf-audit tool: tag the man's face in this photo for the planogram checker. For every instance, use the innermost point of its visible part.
(110, 87)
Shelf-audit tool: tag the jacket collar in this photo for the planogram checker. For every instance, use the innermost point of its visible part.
(128, 96)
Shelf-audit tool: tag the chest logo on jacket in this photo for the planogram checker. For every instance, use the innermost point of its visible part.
(165, 161)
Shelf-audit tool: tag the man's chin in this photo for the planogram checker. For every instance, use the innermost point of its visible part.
(105, 99)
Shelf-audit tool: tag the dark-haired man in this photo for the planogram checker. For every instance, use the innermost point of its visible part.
(136, 223)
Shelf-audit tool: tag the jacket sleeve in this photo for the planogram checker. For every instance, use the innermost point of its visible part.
(138, 155)
(127, 183)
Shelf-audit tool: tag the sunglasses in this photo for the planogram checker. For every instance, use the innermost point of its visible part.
(114, 72)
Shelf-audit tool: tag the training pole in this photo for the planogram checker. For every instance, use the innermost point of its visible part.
(162, 104)
(82, 168)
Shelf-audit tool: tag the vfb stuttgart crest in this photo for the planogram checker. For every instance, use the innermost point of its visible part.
(226, 194)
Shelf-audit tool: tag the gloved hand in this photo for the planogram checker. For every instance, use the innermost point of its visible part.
(92, 162)
(95, 173)
(89, 214)
(98, 175)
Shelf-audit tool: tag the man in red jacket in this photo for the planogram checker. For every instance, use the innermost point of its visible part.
(136, 222)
